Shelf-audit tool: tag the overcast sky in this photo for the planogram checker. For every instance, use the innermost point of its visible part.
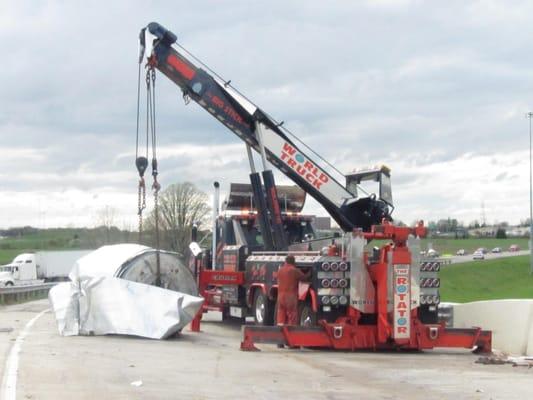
(438, 91)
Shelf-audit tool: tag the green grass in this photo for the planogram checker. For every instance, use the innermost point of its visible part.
(504, 278)
(61, 239)
(6, 256)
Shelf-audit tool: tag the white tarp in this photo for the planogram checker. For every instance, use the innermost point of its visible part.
(97, 302)
(101, 306)
(105, 261)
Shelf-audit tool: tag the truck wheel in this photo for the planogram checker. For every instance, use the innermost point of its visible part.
(307, 315)
(9, 284)
(263, 309)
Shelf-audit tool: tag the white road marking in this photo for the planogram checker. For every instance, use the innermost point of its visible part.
(9, 381)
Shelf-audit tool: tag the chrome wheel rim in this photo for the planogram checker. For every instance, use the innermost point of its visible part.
(260, 310)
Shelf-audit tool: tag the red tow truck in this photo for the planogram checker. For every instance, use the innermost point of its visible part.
(239, 241)
(358, 297)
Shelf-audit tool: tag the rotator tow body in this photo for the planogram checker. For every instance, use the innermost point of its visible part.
(387, 289)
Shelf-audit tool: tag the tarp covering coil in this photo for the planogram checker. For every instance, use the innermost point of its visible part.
(111, 292)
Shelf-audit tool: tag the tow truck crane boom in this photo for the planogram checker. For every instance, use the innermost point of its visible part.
(260, 132)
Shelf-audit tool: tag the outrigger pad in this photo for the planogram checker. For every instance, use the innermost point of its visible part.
(261, 334)
(288, 335)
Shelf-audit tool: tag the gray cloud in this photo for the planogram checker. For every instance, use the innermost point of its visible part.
(414, 84)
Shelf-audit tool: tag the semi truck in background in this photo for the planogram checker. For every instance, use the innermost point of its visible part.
(39, 267)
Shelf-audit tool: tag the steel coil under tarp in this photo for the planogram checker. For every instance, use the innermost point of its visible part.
(112, 291)
(136, 263)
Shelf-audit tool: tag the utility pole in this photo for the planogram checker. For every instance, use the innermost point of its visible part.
(530, 115)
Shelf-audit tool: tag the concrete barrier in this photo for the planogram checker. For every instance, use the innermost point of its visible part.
(511, 322)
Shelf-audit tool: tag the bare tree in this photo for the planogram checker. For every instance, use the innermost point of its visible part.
(180, 206)
(105, 218)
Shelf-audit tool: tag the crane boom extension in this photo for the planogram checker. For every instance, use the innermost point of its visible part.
(256, 128)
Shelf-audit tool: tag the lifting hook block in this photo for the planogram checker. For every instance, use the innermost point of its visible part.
(141, 163)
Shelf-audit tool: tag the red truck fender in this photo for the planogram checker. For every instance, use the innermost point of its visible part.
(251, 291)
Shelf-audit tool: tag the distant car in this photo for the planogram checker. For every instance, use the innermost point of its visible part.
(432, 253)
(496, 250)
(514, 247)
(461, 252)
(478, 255)
(483, 250)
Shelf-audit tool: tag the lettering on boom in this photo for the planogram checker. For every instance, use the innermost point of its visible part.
(222, 107)
(305, 168)
(402, 300)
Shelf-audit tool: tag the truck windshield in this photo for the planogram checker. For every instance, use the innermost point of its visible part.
(299, 231)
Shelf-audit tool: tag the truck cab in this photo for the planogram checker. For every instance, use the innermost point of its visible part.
(240, 249)
(238, 227)
(21, 271)
(362, 179)
(326, 295)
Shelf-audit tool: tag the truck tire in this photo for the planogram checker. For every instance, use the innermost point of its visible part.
(307, 315)
(263, 309)
(8, 284)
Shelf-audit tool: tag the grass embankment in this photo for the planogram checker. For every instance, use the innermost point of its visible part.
(503, 278)
(6, 256)
(61, 239)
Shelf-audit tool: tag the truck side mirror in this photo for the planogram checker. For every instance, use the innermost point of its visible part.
(385, 188)
(195, 249)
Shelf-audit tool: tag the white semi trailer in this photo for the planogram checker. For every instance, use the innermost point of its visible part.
(42, 266)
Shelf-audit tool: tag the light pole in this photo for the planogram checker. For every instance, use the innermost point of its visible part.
(530, 115)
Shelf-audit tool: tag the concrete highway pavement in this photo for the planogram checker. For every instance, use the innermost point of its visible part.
(488, 256)
(209, 365)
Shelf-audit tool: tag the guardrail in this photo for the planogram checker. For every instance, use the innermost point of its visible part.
(17, 294)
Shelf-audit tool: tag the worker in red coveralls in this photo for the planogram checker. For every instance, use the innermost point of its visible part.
(288, 278)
